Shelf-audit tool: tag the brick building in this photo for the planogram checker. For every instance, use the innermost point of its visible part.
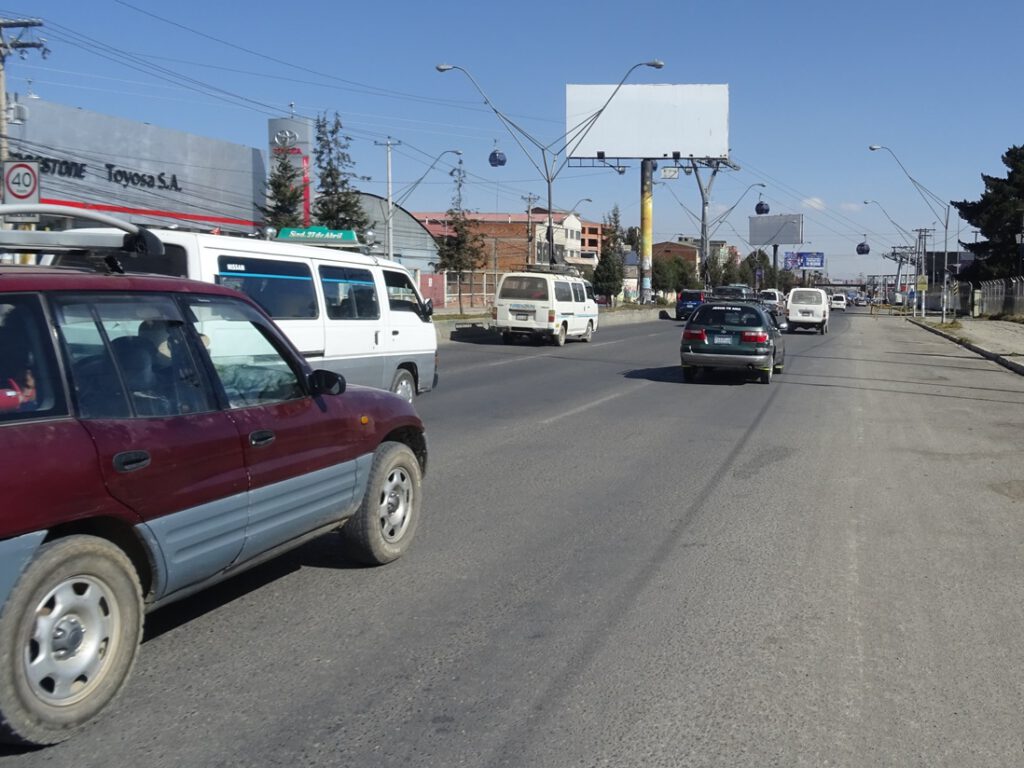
(513, 240)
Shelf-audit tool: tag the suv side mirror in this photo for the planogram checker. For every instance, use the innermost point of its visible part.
(322, 382)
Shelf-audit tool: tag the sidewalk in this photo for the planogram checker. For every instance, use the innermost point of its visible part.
(997, 340)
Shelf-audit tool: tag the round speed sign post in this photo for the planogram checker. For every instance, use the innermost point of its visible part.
(21, 186)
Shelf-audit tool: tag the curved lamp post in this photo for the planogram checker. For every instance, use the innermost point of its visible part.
(907, 237)
(928, 196)
(717, 221)
(549, 167)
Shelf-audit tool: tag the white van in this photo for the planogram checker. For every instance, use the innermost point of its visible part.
(807, 308)
(544, 304)
(354, 314)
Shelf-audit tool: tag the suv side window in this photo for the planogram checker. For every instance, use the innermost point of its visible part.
(283, 288)
(130, 356)
(249, 366)
(29, 381)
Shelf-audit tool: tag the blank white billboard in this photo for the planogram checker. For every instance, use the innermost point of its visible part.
(648, 121)
(784, 229)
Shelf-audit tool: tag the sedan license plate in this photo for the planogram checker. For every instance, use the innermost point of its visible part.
(723, 339)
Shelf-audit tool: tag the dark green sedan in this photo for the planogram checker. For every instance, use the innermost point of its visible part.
(736, 335)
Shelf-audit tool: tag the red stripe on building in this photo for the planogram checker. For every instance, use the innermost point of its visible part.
(149, 212)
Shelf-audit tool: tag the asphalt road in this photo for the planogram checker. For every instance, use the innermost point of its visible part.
(618, 569)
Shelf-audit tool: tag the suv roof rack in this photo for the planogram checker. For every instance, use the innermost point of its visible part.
(131, 238)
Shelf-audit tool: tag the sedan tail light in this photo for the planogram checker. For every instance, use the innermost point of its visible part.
(694, 335)
(754, 337)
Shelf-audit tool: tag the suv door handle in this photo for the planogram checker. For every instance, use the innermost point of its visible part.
(261, 437)
(130, 461)
(394, 333)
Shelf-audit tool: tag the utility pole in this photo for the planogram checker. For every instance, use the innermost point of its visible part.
(7, 47)
(530, 200)
(389, 233)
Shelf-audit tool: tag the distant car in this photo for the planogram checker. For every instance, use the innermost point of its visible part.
(860, 301)
(734, 291)
(773, 299)
(737, 335)
(161, 435)
(687, 301)
(838, 301)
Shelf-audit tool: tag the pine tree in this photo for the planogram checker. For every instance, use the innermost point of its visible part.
(462, 249)
(284, 195)
(999, 217)
(610, 271)
(337, 203)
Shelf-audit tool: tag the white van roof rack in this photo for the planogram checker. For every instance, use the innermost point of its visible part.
(555, 269)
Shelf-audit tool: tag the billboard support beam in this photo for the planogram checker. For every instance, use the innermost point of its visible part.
(646, 228)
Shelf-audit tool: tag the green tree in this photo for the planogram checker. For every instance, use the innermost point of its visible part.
(999, 216)
(284, 195)
(462, 249)
(664, 274)
(337, 203)
(610, 271)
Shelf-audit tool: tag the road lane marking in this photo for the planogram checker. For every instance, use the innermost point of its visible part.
(592, 404)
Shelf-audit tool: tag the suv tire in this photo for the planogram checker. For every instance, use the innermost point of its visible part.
(68, 639)
(386, 521)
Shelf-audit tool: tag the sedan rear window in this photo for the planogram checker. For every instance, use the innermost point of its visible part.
(746, 317)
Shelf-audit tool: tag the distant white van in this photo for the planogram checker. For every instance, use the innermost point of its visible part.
(358, 315)
(545, 304)
(807, 308)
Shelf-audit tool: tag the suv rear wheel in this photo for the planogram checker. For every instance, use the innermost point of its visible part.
(68, 639)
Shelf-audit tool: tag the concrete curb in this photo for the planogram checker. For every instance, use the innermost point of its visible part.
(479, 329)
(1006, 363)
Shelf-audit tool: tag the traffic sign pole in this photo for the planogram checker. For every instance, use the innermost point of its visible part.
(21, 186)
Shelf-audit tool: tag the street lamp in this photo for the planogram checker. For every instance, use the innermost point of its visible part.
(925, 194)
(551, 168)
(717, 221)
(903, 233)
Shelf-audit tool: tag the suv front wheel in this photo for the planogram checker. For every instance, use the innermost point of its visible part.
(68, 639)
(385, 523)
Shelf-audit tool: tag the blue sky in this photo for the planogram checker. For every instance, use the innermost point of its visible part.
(811, 85)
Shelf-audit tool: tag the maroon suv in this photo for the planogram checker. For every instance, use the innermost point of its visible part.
(158, 435)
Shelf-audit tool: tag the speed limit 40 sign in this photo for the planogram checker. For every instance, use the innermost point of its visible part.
(21, 185)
